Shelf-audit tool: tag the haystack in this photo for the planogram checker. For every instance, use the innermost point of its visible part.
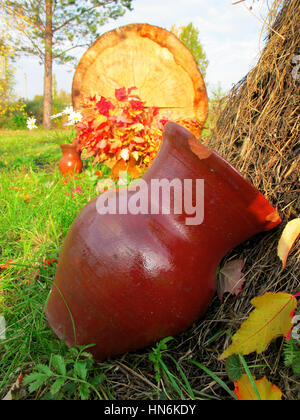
(258, 132)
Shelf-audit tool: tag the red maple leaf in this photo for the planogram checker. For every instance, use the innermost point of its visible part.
(121, 94)
(131, 89)
(104, 106)
(137, 105)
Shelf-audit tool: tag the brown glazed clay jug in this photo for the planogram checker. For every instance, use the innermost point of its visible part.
(125, 281)
(70, 162)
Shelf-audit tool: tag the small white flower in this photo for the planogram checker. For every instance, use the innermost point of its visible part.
(74, 118)
(68, 110)
(31, 123)
(125, 154)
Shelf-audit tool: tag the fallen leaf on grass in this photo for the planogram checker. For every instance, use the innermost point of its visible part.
(17, 188)
(267, 391)
(271, 318)
(35, 274)
(287, 240)
(7, 265)
(231, 278)
(27, 198)
(49, 262)
(16, 386)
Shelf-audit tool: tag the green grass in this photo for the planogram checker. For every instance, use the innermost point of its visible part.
(36, 211)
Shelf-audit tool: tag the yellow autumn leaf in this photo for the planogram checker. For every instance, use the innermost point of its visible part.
(101, 119)
(288, 237)
(137, 127)
(267, 391)
(270, 319)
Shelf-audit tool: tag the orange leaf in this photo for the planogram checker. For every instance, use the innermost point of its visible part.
(27, 197)
(8, 265)
(130, 167)
(267, 391)
(271, 318)
(288, 237)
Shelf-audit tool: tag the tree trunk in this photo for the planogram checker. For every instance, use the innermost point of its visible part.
(48, 67)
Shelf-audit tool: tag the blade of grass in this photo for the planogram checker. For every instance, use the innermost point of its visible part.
(249, 374)
(215, 378)
(187, 387)
(171, 377)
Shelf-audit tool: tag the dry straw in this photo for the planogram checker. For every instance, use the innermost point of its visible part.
(258, 128)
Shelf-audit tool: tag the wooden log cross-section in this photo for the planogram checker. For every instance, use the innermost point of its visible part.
(149, 58)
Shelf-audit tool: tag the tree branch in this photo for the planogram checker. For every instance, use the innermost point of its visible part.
(75, 17)
(67, 50)
(27, 12)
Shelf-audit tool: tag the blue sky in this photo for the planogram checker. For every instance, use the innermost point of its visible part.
(229, 33)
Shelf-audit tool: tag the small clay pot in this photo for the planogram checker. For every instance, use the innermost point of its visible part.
(70, 162)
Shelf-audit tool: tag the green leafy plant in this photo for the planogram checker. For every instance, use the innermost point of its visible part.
(291, 354)
(64, 377)
(177, 382)
(17, 121)
(234, 368)
(156, 357)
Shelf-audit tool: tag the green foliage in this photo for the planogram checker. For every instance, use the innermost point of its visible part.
(176, 384)
(156, 356)
(8, 102)
(190, 36)
(291, 354)
(234, 368)
(35, 107)
(16, 114)
(16, 121)
(217, 93)
(67, 377)
(34, 162)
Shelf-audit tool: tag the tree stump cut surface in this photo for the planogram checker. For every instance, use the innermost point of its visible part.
(149, 58)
